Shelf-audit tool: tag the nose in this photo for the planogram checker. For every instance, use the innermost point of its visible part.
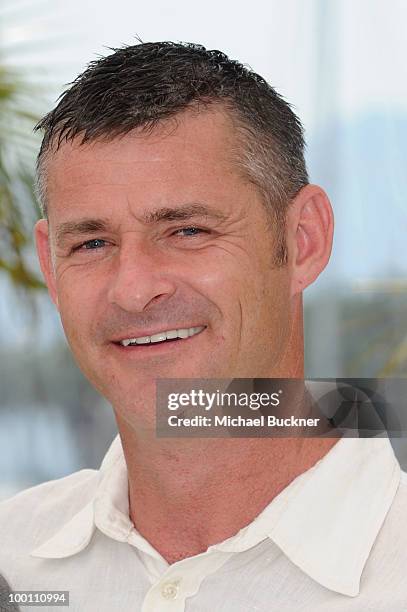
(140, 278)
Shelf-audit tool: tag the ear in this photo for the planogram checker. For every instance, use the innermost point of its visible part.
(309, 236)
(41, 232)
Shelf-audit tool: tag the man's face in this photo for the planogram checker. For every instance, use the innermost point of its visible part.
(135, 267)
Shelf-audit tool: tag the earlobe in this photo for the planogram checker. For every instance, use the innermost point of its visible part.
(309, 236)
(41, 232)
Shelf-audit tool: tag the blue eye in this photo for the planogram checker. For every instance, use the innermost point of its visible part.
(194, 231)
(93, 244)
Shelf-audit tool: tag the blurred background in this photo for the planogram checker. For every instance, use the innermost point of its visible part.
(342, 66)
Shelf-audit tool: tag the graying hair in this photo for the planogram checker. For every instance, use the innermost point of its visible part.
(140, 86)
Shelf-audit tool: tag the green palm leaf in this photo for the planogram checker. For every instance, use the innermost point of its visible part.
(18, 206)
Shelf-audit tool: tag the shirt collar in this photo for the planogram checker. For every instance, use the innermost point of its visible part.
(325, 521)
(76, 534)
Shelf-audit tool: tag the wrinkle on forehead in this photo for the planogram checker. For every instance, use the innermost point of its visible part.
(209, 129)
(192, 163)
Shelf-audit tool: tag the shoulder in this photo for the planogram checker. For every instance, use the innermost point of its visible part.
(50, 494)
(395, 526)
(398, 510)
(391, 543)
(35, 513)
(400, 499)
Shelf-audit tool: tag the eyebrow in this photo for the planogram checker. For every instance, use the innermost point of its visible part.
(79, 228)
(165, 214)
(182, 213)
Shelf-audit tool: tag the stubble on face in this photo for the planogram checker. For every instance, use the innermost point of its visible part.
(144, 276)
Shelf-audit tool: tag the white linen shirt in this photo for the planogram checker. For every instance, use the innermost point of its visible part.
(335, 539)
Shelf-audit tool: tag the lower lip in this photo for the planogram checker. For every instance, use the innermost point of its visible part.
(155, 348)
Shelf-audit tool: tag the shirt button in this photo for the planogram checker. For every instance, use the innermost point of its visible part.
(169, 590)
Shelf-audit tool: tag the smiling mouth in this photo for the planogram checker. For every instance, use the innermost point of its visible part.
(173, 335)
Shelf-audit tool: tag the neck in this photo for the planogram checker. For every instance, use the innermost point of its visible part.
(186, 495)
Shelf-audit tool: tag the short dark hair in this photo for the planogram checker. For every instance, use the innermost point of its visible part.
(138, 86)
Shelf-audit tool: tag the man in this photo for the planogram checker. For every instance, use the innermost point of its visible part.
(179, 232)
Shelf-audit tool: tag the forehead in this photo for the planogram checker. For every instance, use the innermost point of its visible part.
(197, 150)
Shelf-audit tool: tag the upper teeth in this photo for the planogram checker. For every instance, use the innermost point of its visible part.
(164, 335)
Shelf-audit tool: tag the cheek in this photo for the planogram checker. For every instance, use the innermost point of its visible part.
(266, 305)
(242, 283)
(223, 285)
(76, 305)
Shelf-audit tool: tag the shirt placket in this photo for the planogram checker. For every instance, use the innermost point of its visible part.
(181, 580)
